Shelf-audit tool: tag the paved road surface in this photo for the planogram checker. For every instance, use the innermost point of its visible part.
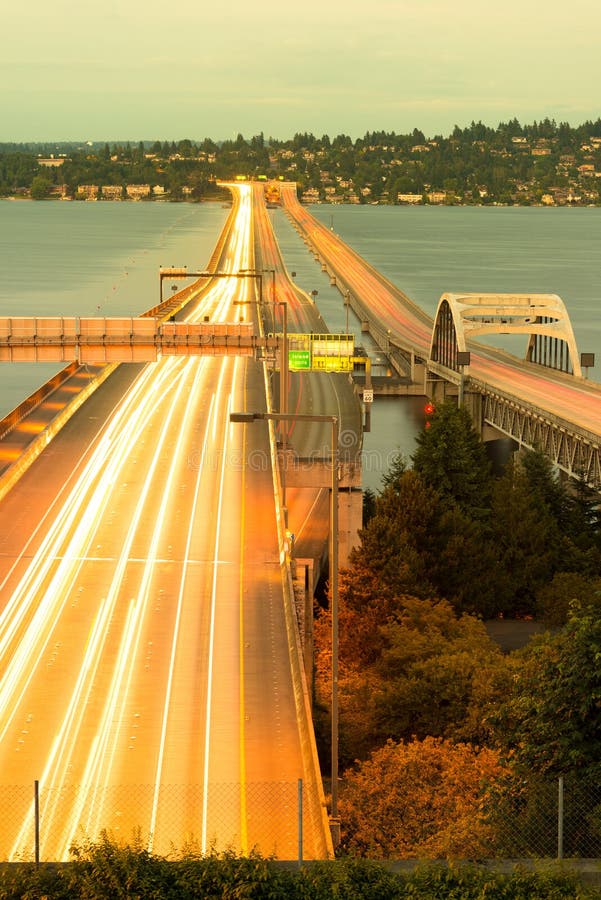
(145, 670)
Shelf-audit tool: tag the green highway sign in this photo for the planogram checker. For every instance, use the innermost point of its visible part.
(299, 359)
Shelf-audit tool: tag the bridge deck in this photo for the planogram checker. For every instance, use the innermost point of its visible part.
(152, 672)
(570, 406)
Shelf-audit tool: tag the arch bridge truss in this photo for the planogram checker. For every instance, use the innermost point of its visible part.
(543, 317)
(574, 451)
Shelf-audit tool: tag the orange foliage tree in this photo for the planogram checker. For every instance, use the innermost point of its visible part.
(420, 799)
(408, 667)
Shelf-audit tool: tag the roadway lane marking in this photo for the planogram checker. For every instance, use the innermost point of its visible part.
(176, 630)
(243, 813)
(156, 560)
(208, 710)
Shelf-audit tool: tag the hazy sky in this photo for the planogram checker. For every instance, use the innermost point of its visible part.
(150, 69)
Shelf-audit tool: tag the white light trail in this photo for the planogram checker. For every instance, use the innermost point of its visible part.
(159, 417)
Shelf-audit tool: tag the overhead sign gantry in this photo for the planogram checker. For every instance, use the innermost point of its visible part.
(321, 352)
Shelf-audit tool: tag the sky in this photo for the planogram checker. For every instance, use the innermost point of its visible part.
(151, 70)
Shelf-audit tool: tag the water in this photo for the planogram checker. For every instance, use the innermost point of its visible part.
(103, 258)
(427, 251)
(61, 258)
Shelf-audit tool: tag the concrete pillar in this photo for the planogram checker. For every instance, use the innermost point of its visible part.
(350, 521)
(304, 590)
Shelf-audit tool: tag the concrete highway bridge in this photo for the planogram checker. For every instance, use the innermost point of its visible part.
(543, 400)
(152, 629)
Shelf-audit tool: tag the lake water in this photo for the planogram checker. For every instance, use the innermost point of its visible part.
(103, 258)
(429, 250)
(61, 258)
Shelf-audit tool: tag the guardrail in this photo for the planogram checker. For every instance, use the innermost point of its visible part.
(13, 418)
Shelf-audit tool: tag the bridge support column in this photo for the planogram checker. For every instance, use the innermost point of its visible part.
(437, 390)
(350, 521)
(304, 591)
(419, 373)
(472, 401)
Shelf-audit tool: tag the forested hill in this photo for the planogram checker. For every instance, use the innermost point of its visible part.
(542, 163)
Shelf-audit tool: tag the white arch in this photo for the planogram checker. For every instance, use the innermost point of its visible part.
(475, 314)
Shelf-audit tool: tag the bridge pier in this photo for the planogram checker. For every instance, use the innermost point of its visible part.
(308, 570)
(305, 582)
(419, 373)
(316, 474)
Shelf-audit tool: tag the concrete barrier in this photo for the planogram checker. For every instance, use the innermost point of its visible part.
(11, 476)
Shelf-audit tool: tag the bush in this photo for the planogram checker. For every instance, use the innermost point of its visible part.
(105, 870)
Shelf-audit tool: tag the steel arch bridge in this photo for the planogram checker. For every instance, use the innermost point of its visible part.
(543, 317)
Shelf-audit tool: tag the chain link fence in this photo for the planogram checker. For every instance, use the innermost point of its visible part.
(283, 820)
(536, 818)
(528, 819)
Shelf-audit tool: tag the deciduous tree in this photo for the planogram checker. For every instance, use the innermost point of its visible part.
(440, 674)
(552, 717)
(419, 799)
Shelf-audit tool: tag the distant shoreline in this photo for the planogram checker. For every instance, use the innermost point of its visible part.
(222, 202)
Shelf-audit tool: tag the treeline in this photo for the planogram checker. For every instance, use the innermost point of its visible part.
(452, 748)
(180, 176)
(513, 163)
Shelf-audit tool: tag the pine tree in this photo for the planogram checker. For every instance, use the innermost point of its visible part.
(451, 459)
(527, 539)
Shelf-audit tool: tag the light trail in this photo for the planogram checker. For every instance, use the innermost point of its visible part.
(210, 664)
(103, 761)
(68, 545)
(180, 602)
(55, 775)
(125, 620)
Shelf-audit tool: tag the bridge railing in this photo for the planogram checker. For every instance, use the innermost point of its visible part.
(122, 339)
(12, 419)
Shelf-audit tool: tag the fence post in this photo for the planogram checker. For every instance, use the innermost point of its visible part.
(560, 818)
(300, 822)
(36, 807)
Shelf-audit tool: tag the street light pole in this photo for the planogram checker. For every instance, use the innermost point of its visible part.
(463, 359)
(284, 365)
(272, 286)
(253, 273)
(284, 404)
(248, 417)
(347, 298)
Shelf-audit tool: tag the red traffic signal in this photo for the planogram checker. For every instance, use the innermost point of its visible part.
(429, 408)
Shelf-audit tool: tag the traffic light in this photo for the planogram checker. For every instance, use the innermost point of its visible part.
(429, 410)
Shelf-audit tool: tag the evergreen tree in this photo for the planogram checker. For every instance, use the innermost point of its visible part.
(451, 459)
(575, 511)
(545, 485)
(526, 537)
(392, 477)
(396, 540)
(369, 505)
